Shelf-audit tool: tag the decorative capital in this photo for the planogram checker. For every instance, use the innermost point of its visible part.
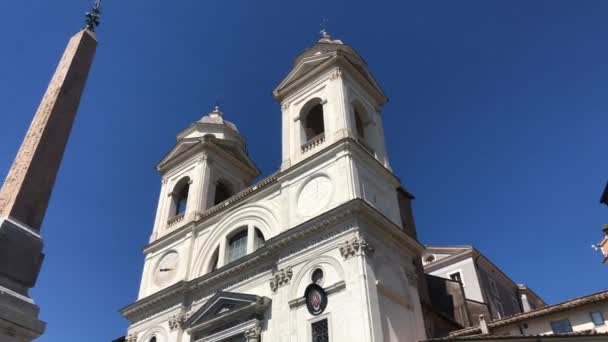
(177, 321)
(280, 278)
(285, 106)
(412, 277)
(253, 333)
(336, 74)
(92, 18)
(131, 337)
(164, 180)
(356, 246)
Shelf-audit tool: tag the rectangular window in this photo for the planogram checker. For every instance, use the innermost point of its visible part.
(493, 286)
(320, 332)
(598, 318)
(561, 327)
(500, 310)
(456, 276)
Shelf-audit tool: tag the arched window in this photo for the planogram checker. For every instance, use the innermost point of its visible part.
(180, 197)
(222, 192)
(215, 259)
(313, 122)
(237, 246)
(153, 339)
(259, 239)
(366, 135)
(359, 124)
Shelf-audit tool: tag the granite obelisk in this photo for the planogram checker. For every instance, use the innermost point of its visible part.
(25, 195)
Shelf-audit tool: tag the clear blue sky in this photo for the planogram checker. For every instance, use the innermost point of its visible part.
(497, 122)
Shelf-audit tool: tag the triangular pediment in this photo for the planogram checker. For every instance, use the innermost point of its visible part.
(181, 147)
(230, 305)
(227, 146)
(301, 69)
(322, 56)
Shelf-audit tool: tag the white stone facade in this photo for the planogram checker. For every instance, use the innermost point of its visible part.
(237, 269)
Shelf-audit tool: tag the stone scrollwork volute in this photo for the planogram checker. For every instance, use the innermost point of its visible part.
(280, 278)
(177, 321)
(336, 74)
(131, 337)
(253, 333)
(412, 277)
(356, 246)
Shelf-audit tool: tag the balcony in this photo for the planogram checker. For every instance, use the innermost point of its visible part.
(313, 143)
(175, 219)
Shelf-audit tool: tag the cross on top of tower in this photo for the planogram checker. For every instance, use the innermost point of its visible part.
(93, 17)
(323, 31)
(325, 36)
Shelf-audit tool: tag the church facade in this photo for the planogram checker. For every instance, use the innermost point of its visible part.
(325, 249)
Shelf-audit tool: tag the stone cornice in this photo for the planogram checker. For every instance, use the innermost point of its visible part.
(265, 257)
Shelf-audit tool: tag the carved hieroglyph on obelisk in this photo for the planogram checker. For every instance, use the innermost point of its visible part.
(26, 192)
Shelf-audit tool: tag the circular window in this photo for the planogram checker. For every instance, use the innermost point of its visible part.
(317, 276)
(430, 258)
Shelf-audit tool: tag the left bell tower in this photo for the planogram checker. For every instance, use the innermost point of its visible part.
(25, 194)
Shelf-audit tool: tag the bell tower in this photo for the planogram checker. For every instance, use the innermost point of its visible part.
(329, 94)
(208, 165)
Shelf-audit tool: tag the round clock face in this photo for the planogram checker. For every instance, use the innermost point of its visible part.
(166, 269)
(314, 196)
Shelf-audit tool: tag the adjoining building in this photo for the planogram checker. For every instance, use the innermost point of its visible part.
(487, 289)
(603, 244)
(579, 319)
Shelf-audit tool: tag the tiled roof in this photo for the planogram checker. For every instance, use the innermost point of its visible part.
(585, 333)
(547, 310)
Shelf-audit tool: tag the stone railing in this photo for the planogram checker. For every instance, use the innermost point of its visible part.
(313, 143)
(175, 219)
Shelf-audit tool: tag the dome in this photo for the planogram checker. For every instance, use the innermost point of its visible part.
(217, 117)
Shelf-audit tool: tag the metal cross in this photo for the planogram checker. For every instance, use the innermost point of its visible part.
(324, 28)
(218, 100)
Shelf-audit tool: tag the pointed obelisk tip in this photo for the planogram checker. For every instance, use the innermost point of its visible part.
(92, 18)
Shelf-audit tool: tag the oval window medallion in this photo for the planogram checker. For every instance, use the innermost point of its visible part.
(315, 195)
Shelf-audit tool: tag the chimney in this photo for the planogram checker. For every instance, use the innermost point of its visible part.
(483, 325)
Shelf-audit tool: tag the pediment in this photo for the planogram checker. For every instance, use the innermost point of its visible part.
(227, 308)
(319, 57)
(301, 69)
(181, 147)
(227, 146)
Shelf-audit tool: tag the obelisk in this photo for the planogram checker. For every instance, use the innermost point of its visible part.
(27, 189)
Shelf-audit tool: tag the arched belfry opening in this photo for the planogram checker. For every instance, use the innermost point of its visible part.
(359, 124)
(365, 132)
(223, 191)
(180, 197)
(312, 121)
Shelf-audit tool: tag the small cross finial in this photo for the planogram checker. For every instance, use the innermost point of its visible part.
(92, 18)
(218, 100)
(323, 31)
